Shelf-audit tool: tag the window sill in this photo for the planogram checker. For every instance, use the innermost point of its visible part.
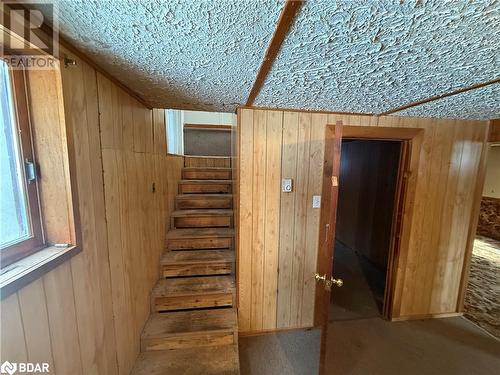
(19, 274)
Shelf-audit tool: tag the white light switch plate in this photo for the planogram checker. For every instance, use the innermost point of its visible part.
(286, 185)
(316, 201)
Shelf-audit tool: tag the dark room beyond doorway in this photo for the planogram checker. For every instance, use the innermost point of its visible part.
(367, 189)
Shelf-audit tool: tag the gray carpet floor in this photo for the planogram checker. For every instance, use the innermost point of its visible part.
(451, 346)
(286, 353)
(361, 343)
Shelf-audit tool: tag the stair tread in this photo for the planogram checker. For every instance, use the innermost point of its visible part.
(213, 360)
(199, 233)
(196, 256)
(204, 196)
(188, 286)
(206, 182)
(210, 169)
(188, 322)
(203, 212)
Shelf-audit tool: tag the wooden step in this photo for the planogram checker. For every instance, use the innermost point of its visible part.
(205, 186)
(210, 360)
(199, 201)
(192, 293)
(207, 161)
(189, 329)
(197, 262)
(206, 173)
(200, 238)
(202, 218)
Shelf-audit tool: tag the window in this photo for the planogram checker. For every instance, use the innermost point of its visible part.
(175, 142)
(20, 220)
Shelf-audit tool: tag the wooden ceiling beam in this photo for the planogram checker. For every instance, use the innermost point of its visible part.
(442, 96)
(287, 16)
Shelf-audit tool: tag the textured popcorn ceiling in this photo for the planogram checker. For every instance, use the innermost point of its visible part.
(373, 56)
(193, 54)
(480, 104)
(347, 56)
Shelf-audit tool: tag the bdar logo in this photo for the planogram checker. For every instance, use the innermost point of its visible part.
(8, 368)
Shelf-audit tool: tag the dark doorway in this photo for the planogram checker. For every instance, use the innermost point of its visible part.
(368, 182)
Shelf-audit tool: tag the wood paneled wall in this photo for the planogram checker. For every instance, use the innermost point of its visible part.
(277, 238)
(86, 316)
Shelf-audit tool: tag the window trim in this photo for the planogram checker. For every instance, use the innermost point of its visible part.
(36, 241)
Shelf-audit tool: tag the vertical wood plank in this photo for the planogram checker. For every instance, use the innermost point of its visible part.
(120, 296)
(259, 217)
(287, 219)
(36, 323)
(106, 116)
(469, 169)
(301, 205)
(83, 267)
(272, 223)
(314, 187)
(99, 220)
(12, 344)
(245, 246)
(58, 285)
(128, 127)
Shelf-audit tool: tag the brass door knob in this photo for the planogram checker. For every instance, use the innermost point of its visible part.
(318, 277)
(337, 282)
(328, 282)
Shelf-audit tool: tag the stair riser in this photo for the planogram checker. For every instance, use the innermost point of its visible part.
(202, 222)
(187, 188)
(200, 243)
(186, 204)
(223, 268)
(206, 175)
(192, 302)
(194, 340)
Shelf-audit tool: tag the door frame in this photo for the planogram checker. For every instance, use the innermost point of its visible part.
(411, 139)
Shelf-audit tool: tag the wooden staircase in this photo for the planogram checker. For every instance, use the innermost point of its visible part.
(193, 327)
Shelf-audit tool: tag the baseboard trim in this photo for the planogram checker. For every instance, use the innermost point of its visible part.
(426, 316)
(275, 330)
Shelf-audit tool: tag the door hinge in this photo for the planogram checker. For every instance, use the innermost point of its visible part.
(30, 170)
(335, 181)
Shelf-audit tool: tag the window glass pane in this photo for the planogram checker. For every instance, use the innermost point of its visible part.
(14, 225)
(175, 141)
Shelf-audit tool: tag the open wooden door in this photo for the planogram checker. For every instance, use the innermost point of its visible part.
(333, 142)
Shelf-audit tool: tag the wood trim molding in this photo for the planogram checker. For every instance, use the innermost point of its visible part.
(276, 330)
(19, 274)
(379, 132)
(219, 127)
(426, 316)
(442, 96)
(306, 111)
(494, 134)
(414, 137)
(287, 16)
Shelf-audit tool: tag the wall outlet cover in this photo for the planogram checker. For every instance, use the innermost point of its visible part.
(316, 201)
